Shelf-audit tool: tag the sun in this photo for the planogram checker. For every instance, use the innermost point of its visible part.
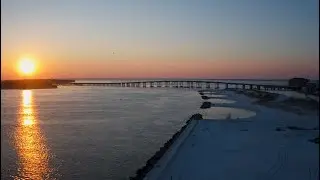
(27, 66)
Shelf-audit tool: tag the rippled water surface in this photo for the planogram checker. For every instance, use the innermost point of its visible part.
(87, 132)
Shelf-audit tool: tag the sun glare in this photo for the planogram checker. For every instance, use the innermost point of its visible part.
(27, 66)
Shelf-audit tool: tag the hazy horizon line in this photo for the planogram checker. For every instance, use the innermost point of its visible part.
(242, 79)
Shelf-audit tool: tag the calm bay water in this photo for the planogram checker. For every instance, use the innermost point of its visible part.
(87, 132)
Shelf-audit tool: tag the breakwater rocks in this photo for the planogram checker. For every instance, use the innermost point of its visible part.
(205, 97)
(141, 173)
(201, 92)
(205, 105)
(195, 117)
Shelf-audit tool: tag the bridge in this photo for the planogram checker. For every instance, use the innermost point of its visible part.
(192, 84)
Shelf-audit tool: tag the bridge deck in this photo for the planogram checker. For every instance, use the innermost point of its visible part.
(186, 84)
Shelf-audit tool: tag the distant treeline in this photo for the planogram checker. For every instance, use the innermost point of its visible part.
(33, 83)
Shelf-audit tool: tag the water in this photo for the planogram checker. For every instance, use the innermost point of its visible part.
(87, 132)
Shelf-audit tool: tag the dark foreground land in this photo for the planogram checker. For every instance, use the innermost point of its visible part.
(33, 83)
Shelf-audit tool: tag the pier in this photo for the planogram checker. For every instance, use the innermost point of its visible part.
(195, 84)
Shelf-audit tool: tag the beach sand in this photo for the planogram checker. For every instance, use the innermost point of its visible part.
(274, 144)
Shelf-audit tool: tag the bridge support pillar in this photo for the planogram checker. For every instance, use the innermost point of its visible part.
(208, 85)
(198, 85)
(216, 85)
(181, 84)
(175, 84)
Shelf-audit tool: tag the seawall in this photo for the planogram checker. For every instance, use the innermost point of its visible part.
(143, 171)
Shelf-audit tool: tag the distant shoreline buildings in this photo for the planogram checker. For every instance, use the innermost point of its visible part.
(305, 85)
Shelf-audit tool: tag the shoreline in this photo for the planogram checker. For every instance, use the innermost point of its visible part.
(151, 162)
(149, 171)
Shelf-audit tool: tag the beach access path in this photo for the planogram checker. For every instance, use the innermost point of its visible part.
(260, 147)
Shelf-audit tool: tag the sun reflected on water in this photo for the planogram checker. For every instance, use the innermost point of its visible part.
(28, 116)
(29, 141)
(26, 98)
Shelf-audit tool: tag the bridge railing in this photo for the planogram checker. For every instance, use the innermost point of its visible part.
(199, 84)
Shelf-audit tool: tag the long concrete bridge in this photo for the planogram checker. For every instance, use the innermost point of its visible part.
(193, 84)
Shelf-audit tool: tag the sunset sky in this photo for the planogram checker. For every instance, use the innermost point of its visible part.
(161, 38)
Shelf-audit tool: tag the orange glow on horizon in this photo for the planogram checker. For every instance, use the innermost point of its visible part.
(224, 68)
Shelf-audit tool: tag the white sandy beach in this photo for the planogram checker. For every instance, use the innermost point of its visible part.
(245, 149)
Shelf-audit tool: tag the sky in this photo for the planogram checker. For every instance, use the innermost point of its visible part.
(219, 39)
